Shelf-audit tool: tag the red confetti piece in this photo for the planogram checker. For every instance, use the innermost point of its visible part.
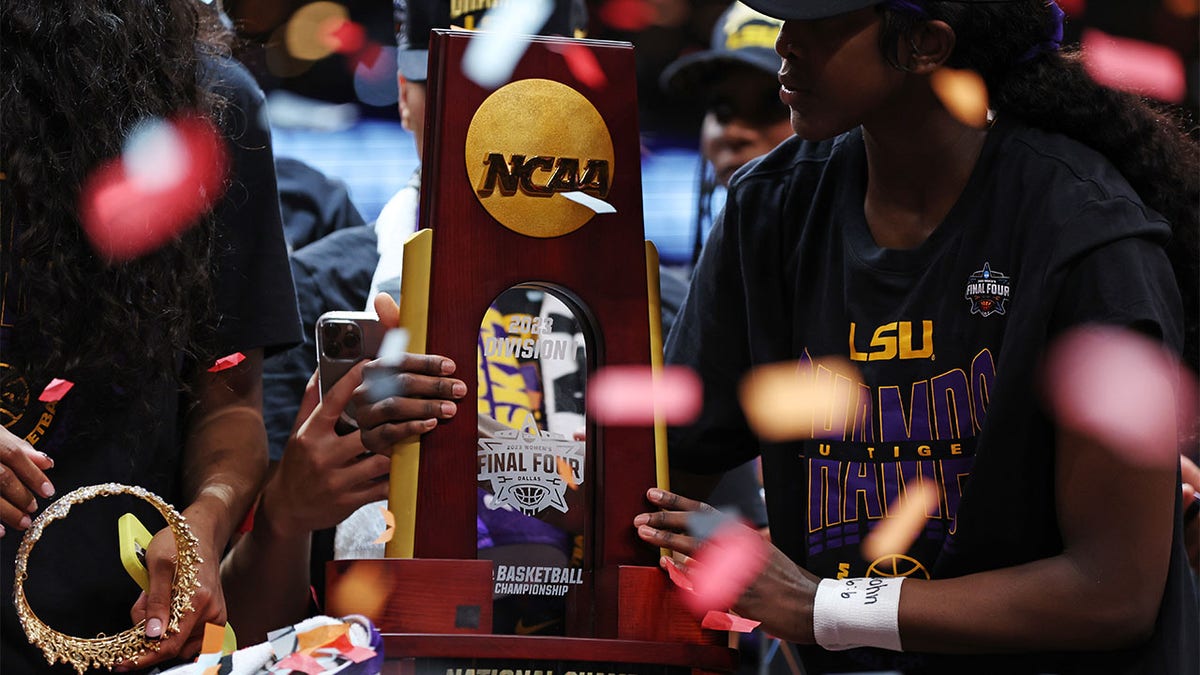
(725, 621)
(369, 56)
(630, 395)
(129, 208)
(678, 576)
(1073, 8)
(248, 521)
(627, 15)
(227, 362)
(1123, 390)
(359, 654)
(54, 391)
(725, 565)
(1134, 66)
(342, 35)
(584, 66)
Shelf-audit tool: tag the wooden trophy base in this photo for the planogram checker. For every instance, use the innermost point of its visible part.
(433, 621)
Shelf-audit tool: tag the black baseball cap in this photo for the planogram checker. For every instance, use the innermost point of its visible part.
(742, 36)
(415, 18)
(805, 10)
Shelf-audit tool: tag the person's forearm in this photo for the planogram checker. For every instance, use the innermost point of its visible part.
(270, 550)
(225, 456)
(1047, 605)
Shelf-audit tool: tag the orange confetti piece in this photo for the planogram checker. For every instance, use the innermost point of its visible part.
(320, 636)
(905, 519)
(789, 401)
(307, 33)
(54, 391)
(715, 620)
(564, 470)
(389, 531)
(214, 639)
(363, 589)
(964, 95)
(227, 362)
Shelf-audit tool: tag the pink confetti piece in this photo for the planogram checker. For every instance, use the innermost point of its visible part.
(227, 362)
(1123, 390)
(678, 576)
(583, 66)
(715, 620)
(302, 663)
(1134, 66)
(627, 15)
(630, 395)
(159, 189)
(54, 391)
(725, 566)
(389, 531)
(359, 654)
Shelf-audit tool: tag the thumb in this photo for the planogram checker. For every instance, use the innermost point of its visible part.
(338, 396)
(388, 310)
(312, 396)
(160, 565)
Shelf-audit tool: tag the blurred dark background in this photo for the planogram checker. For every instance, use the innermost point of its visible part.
(338, 112)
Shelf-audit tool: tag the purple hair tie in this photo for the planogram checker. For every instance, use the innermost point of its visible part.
(905, 6)
(1054, 38)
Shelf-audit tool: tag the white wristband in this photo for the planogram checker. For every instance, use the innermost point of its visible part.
(849, 613)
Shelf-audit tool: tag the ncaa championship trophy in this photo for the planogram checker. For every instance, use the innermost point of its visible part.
(514, 548)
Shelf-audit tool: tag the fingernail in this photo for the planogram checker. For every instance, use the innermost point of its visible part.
(429, 424)
(641, 519)
(458, 389)
(48, 458)
(646, 531)
(447, 367)
(47, 489)
(32, 506)
(154, 628)
(24, 524)
(655, 494)
(2, 530)
(448, 409)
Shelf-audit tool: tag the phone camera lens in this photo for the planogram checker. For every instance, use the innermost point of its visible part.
(351, 340)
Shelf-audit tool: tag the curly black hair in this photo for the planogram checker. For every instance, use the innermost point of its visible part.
(1005, 42)
(78, 77)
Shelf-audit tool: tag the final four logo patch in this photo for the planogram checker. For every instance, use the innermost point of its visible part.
(987, 291)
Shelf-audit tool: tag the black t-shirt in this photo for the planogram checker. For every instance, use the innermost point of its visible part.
(1045, 236)
(76, 583)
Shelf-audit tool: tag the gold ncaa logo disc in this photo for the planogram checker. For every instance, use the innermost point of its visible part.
(534, 147)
